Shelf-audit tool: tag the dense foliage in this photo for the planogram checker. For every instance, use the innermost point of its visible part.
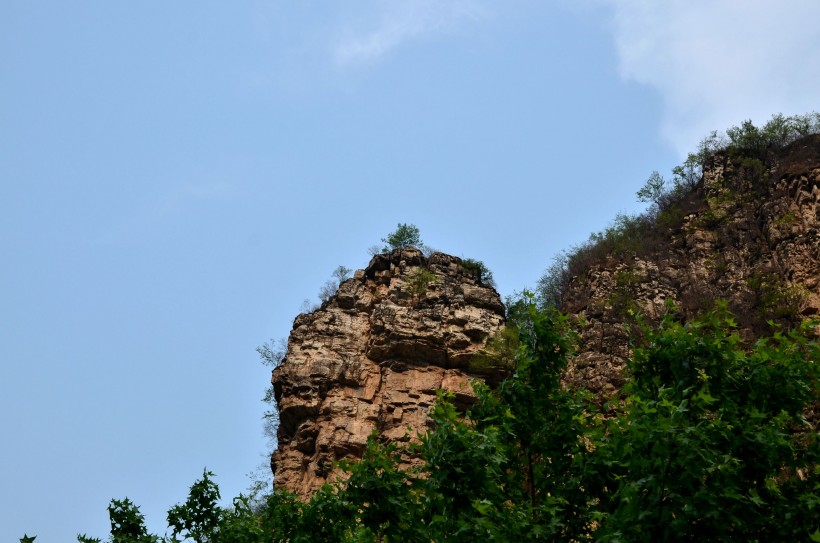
(708, 442)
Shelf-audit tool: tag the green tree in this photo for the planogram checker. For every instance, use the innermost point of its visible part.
(331, 286)
(653, 189)
(510, 468)
(342, 273)
(383, 498)
(240, 523)
(326, 518)
(127, 525)
(271, 353)
(540, 423)
(462, 486)
(405, 235)
(199, 517)
(280, 516)
(712, 445)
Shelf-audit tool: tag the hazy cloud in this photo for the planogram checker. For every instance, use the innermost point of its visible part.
(390, 24)
(718, 62)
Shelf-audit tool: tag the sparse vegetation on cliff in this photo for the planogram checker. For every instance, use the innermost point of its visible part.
(331, 286)
(753, 149)
(271, 353)
(420, 281)
(481, 271)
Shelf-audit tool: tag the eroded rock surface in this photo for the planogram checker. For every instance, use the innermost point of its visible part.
(373, 357)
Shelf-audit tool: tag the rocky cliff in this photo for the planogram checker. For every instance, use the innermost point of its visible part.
(372, 358)
(747, 234)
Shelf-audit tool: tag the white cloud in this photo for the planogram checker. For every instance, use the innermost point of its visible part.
(719, 62)
(392, 23)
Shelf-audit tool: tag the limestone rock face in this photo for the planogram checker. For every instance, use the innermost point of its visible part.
(748, 238)
(372, 358)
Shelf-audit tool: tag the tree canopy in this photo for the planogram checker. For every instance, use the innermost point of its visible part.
(707, 442)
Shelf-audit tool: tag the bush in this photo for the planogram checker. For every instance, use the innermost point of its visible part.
(750, 141)
(552, 285)
(200, 517)
(480, 270)
(626, 236)
(331, 286)
(420, 281)
(127, 525)
(774, 300)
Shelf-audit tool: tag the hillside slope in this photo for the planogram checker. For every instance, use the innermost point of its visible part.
(746, 236)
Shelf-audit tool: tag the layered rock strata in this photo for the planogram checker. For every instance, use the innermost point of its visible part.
(372, 358)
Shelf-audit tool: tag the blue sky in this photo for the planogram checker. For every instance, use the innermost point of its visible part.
(177, 177)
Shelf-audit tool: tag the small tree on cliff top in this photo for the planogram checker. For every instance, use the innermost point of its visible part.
(405, 235)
